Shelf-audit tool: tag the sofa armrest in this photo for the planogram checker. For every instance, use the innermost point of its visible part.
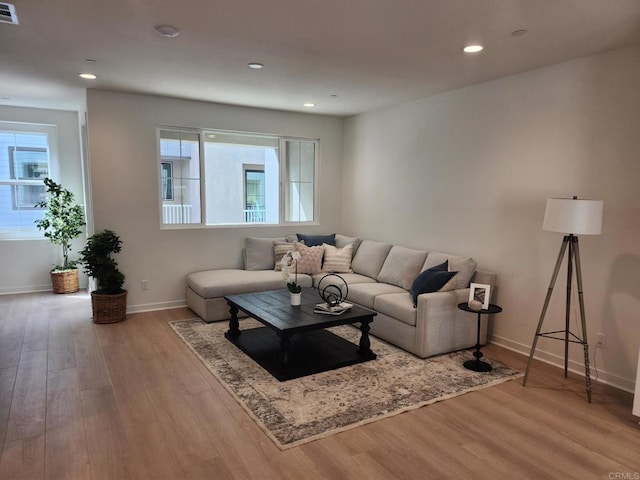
(441, 326)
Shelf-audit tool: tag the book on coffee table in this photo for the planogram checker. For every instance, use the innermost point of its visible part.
(332, 310)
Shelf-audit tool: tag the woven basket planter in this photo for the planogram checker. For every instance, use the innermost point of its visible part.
(109, 308)
(65, 281)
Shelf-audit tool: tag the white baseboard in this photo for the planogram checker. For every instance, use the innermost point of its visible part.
(607, 378)
(26, 289)
(152, 307)
(31, 289)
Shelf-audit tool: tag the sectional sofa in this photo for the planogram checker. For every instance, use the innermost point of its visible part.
(380, 277)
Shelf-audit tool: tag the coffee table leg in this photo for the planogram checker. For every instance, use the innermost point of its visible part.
(365, 344)
(234, 325)
(285, 344)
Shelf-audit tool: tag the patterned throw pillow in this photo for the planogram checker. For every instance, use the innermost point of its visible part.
(337, 260)
(280, 249)
(310, 258)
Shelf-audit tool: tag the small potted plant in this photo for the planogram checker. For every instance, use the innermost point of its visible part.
(292, 285)
(109, 300)
(62, 222)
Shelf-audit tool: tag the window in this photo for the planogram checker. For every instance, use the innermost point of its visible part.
(229, 178)
(25, 160)
(180, 150)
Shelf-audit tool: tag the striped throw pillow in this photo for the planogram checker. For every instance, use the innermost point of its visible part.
(337, 260)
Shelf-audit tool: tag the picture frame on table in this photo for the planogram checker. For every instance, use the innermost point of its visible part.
(481, 293)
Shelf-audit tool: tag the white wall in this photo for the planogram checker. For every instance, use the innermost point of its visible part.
(124, 185)
(470, 171)
(26, 263)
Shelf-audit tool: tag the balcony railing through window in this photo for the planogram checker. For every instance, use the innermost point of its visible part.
(255, 215)
(176, 214)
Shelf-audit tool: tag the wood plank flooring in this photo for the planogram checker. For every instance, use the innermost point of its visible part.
(130, 401)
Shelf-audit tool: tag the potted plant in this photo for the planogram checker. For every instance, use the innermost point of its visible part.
(109, 300)
(62, 222)
(294, 289)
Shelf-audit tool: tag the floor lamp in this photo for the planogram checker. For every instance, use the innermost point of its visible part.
(572, 217)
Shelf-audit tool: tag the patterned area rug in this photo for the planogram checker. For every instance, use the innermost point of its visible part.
(301, 410)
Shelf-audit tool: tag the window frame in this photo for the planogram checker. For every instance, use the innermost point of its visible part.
(282, 174)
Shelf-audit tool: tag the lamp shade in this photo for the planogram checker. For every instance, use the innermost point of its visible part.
(570, 215)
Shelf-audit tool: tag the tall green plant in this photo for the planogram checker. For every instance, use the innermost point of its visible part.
(97, 261)
(63, 220)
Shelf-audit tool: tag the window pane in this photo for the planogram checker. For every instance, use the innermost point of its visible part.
(180, 177)
(24, 163)
(301, 157)
(12, 200)
(241, 178)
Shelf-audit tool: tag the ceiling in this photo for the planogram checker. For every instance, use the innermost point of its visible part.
(346, 56)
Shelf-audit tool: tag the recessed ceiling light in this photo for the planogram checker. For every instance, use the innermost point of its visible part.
(87, 76)
(518, 33)
(473, 48)
(167, 31)
(309, 105)
(255, 65)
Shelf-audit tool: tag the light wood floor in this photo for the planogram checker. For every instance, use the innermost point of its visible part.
(130, 401)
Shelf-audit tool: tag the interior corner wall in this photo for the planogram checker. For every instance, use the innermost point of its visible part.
(469, 172)
(28, 262)
(123, 171)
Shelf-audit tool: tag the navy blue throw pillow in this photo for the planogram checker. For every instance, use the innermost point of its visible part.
(431, 280)
(313, 240)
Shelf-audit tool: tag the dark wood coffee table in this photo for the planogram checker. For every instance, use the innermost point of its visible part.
(294, 341)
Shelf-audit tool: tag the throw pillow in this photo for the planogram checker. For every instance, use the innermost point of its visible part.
(310, 258)
(315, 240)
(431, 280)
(258, 253)
(465, 266)
(280, 249)
(337, 260)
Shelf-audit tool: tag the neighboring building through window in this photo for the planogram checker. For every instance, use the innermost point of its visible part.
(245, 179)
(25, 160)
(167, 180)
(254, 194)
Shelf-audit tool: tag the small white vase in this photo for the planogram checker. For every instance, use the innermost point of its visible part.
(296, 298)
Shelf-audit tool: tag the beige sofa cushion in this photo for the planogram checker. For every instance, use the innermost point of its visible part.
(370, 257)
(398, 306)
(258, 253)
(342, 241)
(218, 283)
(402, 266)
(365, 293)
(350, 278)
(465, 266)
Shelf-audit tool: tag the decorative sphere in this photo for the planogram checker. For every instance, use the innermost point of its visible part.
(475, 305)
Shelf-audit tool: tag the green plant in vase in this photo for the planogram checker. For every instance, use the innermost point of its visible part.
(62, 222)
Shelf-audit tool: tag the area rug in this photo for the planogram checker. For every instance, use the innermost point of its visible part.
(302, 410)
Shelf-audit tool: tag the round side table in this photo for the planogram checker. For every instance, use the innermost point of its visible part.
(478, 365)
